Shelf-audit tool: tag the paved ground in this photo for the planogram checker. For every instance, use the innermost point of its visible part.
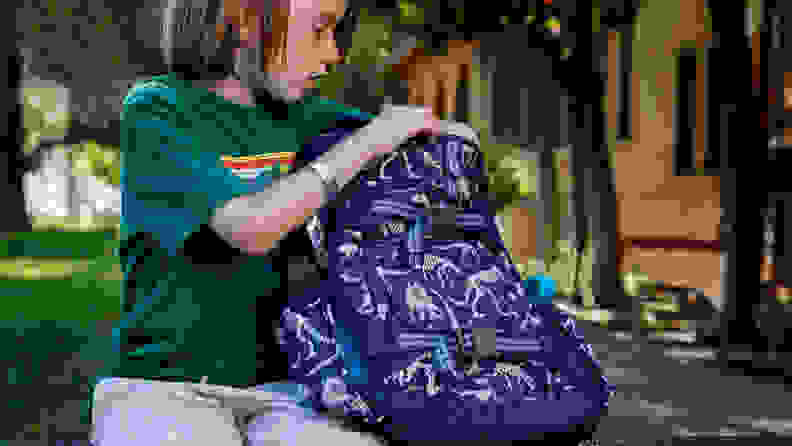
(665, 389)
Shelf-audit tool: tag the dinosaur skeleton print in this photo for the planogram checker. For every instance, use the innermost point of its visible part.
(410, 295)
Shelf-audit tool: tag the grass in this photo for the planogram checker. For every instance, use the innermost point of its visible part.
(66, 269)
(76, 224)
(84, 296)
(60, 286)
(58, 244)
(29, 268)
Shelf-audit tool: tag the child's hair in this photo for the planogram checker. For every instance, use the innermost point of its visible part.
(198, 37)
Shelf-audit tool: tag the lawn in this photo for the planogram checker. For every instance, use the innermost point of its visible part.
(67, 270)
(61, 287)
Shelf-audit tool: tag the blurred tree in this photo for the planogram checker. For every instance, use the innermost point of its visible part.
(63, 38)
(48, 125)
(60, 41)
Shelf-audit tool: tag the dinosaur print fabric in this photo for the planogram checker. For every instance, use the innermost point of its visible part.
(416, 267)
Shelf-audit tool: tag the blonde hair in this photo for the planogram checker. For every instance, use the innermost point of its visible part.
(198, 36)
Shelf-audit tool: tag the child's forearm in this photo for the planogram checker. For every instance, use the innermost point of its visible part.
(255, 223)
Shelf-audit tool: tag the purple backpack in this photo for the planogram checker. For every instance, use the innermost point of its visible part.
(422, 324)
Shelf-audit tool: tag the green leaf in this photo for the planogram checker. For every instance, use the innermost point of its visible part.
(411, 13)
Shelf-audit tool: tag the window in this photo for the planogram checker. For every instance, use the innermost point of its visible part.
(625, 77)
(685, 113)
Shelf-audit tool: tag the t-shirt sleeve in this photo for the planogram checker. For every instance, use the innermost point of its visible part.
(170, 187)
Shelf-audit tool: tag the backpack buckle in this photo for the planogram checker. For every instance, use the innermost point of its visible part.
(484, 348)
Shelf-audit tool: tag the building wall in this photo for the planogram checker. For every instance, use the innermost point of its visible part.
(653, 203)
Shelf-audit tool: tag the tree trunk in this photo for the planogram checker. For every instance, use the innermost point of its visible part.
(593, 169)
(741, 224)
(12, 157)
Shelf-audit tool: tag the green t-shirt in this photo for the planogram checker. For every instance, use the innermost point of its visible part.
(192, 312)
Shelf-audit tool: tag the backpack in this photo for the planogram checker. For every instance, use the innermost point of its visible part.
(421, 323)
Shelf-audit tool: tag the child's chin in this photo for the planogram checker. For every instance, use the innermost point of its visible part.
(298, 92)
(295, 94)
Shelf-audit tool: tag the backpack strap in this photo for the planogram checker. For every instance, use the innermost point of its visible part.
(299, 242)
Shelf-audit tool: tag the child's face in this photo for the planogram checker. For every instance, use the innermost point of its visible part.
(302, 41)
